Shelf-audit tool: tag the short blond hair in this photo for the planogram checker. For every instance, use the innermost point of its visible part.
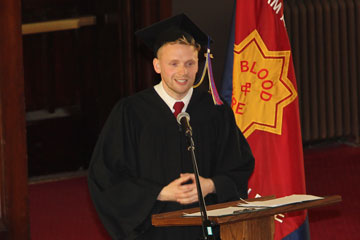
(183, 40)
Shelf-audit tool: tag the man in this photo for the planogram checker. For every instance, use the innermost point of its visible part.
(141, 166)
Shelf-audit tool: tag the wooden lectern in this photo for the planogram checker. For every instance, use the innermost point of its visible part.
(252, 225)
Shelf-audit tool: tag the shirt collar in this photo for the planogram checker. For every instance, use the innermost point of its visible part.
(159, 88)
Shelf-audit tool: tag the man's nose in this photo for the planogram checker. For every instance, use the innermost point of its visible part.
(183, 70)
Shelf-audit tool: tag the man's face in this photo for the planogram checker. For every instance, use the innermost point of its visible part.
(177, 64)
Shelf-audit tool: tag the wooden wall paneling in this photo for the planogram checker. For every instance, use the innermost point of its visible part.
(145, 15)
(88, 90)
(305, 91)
(43, 10)
(55, 145)
(329, 73)
(60, 73)
(344, 68)
(312, 80)
(328, 76)
(108, 69)
(34, 60)
(136, 58)
(293, 12)
(145, 75)
(54, 142)
(126, 67)
(335, 23)
(90, 68)
(13, 164)
(64, 74)
(357, 42)
(353, 65)
(320, 69)
(48, 70)
(126, 41)
(165, 8)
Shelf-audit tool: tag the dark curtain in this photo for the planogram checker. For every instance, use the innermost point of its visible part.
(82, 72)
(125, 62)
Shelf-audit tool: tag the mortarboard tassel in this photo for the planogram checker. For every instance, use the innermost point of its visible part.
(208, 69)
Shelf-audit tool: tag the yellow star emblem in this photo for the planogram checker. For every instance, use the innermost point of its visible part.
(261, 87)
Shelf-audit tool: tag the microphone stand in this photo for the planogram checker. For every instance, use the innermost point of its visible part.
(206, 223)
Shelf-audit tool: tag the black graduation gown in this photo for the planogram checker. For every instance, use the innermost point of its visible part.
(141, 149)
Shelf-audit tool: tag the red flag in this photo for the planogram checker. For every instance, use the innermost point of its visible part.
(265, 104)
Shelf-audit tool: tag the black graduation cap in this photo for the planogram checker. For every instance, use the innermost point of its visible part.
(171, 29)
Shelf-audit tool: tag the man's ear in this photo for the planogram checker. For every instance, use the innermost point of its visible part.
(156, 65)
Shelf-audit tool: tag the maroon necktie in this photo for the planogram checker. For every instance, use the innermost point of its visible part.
(178, 106)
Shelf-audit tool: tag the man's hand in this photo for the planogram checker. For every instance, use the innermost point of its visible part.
(178, 191)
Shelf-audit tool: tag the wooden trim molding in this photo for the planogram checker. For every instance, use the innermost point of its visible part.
(58, 25)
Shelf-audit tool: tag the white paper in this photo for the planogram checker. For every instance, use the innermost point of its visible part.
(220, 212)
(295, 198)
(256, 205)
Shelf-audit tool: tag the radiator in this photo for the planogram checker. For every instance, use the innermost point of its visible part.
(325, 40)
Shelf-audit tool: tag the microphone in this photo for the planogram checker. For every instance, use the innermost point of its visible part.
(183, 119)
